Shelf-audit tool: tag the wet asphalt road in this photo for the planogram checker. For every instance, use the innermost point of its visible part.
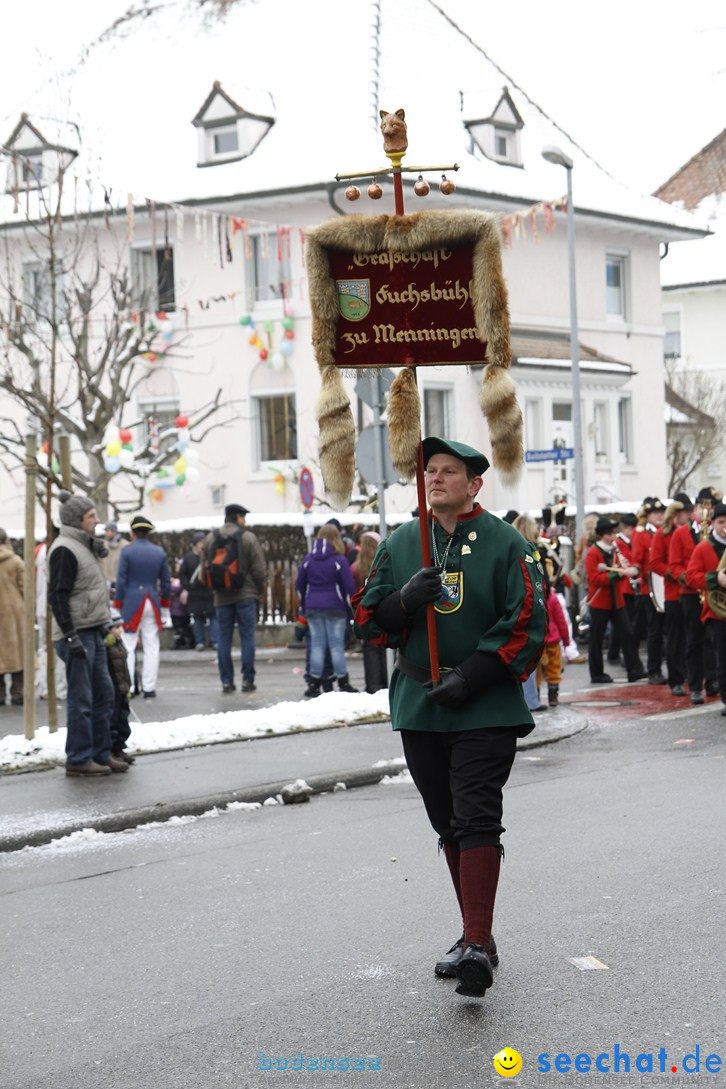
(187, 956)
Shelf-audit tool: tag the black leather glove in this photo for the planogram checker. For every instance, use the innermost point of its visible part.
(74, 644)
(421, 589)
(452, 691)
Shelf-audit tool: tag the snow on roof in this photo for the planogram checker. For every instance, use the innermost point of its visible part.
(704, 261)
(134, 95)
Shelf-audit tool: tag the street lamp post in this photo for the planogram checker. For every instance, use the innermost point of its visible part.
(554, 155)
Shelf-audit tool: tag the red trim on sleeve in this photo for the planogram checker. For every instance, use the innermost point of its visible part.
(518, 638)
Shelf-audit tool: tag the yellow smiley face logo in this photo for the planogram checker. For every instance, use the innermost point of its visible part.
(507, 1062)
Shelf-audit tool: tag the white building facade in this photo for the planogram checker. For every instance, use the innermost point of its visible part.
(221, 247)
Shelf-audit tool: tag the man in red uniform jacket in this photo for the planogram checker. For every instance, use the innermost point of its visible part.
(605, 582)
(678, 514)
(700, 652)
(705, 573)
(649, 624)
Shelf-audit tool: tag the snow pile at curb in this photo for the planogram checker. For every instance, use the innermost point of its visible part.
(328, 711)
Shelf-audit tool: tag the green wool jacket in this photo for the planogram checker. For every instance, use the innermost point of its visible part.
(494, 601)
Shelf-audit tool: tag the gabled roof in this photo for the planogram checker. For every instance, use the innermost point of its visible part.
(381, 56)
(218, 91)
(506, 98)
(701, 176)
(26, 123)
(684, 412)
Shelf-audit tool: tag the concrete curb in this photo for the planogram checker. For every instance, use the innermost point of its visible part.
(162, 811)
(320, 784)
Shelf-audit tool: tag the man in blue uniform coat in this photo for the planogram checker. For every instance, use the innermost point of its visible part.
(143, 589)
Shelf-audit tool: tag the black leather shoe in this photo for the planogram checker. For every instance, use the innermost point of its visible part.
(712, 689)
(446, 967)
(678, 690)
(657, 678)
(697, 697)
(227, 688)
(150, 695)
(474, 972)
(123, 755)
(639, 676)
(602, 678)
(249, 686)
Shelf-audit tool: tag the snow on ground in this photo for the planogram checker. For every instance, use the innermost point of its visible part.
(329, 710)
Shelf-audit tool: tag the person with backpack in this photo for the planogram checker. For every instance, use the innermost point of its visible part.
(234, 568)
(200, 598)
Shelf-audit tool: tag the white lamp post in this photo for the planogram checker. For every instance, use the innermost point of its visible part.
(554, 155)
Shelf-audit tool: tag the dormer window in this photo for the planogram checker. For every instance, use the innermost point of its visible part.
(227, 131)
(226, 141)
(33, 161)
(497, 135)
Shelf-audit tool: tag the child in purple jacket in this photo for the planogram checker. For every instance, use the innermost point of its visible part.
(325, 585)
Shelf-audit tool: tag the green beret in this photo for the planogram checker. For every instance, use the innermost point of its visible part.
(471, 457)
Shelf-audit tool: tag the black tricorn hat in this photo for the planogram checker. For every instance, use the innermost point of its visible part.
(684, 500)
(605, 525)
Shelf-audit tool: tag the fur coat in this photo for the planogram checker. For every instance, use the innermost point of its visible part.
(11, 610)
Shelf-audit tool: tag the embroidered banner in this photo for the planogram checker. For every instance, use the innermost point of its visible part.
(406, 309)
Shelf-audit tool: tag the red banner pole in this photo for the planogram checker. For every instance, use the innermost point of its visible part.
(423, 521)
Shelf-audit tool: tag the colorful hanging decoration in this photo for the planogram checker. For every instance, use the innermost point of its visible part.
(514, 226)
(118, 450)
(264, 342)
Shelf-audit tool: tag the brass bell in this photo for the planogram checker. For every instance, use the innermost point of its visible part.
(374, 190)
(352, 192)
(422, 187)
(446, 186)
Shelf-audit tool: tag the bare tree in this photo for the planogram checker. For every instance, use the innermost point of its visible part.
(696, 404)
(78, 338)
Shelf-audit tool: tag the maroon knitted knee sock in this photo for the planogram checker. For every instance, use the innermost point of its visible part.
(452, 855)
(479, 874)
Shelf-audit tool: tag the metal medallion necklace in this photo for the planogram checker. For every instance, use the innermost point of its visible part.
(440, 561)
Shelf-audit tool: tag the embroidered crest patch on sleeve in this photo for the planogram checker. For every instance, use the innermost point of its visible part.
(452, 592)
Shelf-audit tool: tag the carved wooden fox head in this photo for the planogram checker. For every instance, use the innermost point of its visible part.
(393, 127)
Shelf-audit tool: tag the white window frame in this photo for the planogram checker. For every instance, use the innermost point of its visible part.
(36, 292)
(257, 397)
(675, 334)
(601, 431)
(272, 292)
(447, 393)
(622, 260)
(168, 407)
(223, 130)
(218, 493)
(625, 430)
(533, 431)
(144, 292)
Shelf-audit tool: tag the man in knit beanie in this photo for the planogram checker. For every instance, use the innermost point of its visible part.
(78, 596)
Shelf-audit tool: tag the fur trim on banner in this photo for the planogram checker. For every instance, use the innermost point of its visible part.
(423, 231)
(404, 426)
(336, 442)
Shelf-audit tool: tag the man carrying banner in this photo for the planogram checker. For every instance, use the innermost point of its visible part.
(460, 736)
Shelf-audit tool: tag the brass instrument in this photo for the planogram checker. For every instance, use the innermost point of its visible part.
(717, 598)
(707, 504)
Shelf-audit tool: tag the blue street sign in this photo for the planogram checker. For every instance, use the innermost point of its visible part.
(558, 453)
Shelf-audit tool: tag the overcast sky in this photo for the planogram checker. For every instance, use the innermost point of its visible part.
(641, 85)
